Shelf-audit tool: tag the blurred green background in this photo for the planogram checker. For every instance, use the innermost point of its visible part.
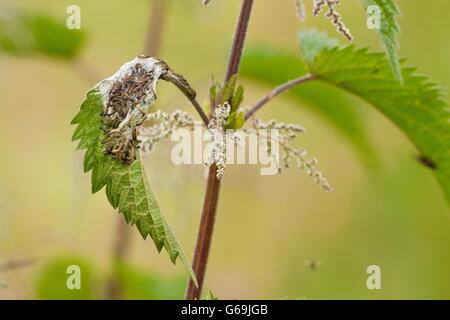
(393, 215)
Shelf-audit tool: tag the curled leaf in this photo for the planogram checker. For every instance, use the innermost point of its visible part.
(106, 125)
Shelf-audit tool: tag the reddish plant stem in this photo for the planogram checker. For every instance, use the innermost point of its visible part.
(211, 200)
(189, 93)
(239, 39)
(122, 242)
(155, 28)
(15, 264)
(85, 71)
(204, 234)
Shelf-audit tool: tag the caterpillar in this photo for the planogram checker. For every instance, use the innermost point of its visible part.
(128, 96)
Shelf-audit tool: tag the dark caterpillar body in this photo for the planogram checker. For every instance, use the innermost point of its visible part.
(127, 103)
(123, 113)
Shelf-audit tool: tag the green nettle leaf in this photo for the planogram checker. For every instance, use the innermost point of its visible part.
(32, 33)
(228, 89)
(231, 122)
(240, 120)
(273, 67)
(388, 31)
(234, 96)
(138, 283)
(314, 41)
(51, 279)
(15, 39)
(210, 296)
(213, 89)
(127, 186)
(415, 106)
(237, 99)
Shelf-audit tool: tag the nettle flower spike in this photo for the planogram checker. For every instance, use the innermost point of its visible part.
(218, 152)
(286, 133)
(164, 125)
(333, 15)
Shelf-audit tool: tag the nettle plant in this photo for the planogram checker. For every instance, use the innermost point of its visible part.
(115, 127)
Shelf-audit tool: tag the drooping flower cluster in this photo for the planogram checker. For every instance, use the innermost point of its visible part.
(333, 15)
(285, 134)
(218, 148)
(165, 125)
(273, 137)
(220, 116)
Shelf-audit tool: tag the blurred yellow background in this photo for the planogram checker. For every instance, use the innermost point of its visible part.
(267, 226)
